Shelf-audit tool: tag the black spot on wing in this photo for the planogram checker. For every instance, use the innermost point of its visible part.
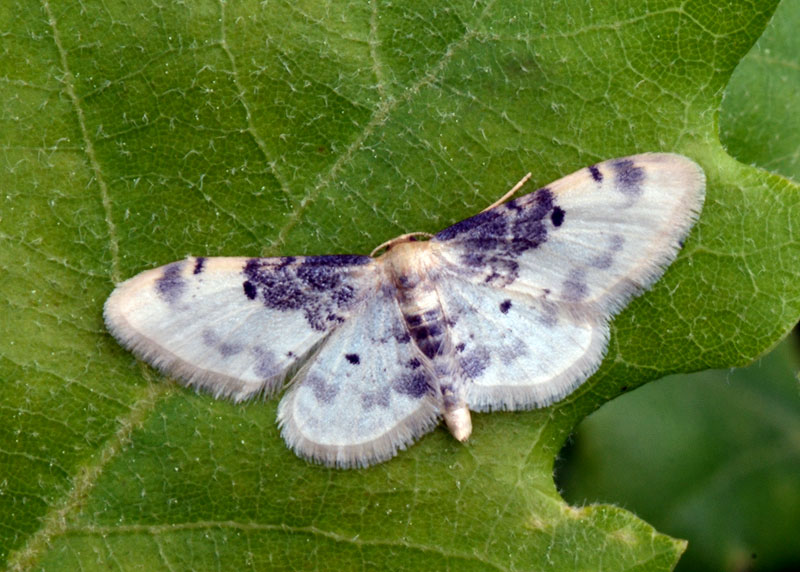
(628, 177)
(249, 289)
(505, 306)
(199, 263)
(557, 216)
(595, 173)
(171, 285)
(353, 358)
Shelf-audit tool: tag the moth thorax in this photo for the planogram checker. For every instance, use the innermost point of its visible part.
(408, 258)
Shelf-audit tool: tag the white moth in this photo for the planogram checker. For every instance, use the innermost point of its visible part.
(506, 310)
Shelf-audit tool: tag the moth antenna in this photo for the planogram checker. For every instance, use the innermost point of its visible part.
(510, 193)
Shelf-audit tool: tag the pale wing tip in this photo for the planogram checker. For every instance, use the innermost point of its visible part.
(686, 175)
(689, 174)
(687, 180)
(118, 308)
(663, 157)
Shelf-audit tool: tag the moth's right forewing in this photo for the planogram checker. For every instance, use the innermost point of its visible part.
(589, 241)
(235, 326)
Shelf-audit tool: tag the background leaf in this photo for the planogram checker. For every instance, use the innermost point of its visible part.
(719, 447)
(133, 135)
(727, 474)
(756, 122)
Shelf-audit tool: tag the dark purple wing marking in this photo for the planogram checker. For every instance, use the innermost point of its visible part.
(317, 285)
(493, 240)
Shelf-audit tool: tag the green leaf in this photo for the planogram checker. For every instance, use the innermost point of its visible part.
(134, 134)
(720, 447)
(757, 119)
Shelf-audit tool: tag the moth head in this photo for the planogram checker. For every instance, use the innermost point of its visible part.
(402, 239)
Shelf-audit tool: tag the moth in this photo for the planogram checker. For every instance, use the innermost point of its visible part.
(506, 310)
